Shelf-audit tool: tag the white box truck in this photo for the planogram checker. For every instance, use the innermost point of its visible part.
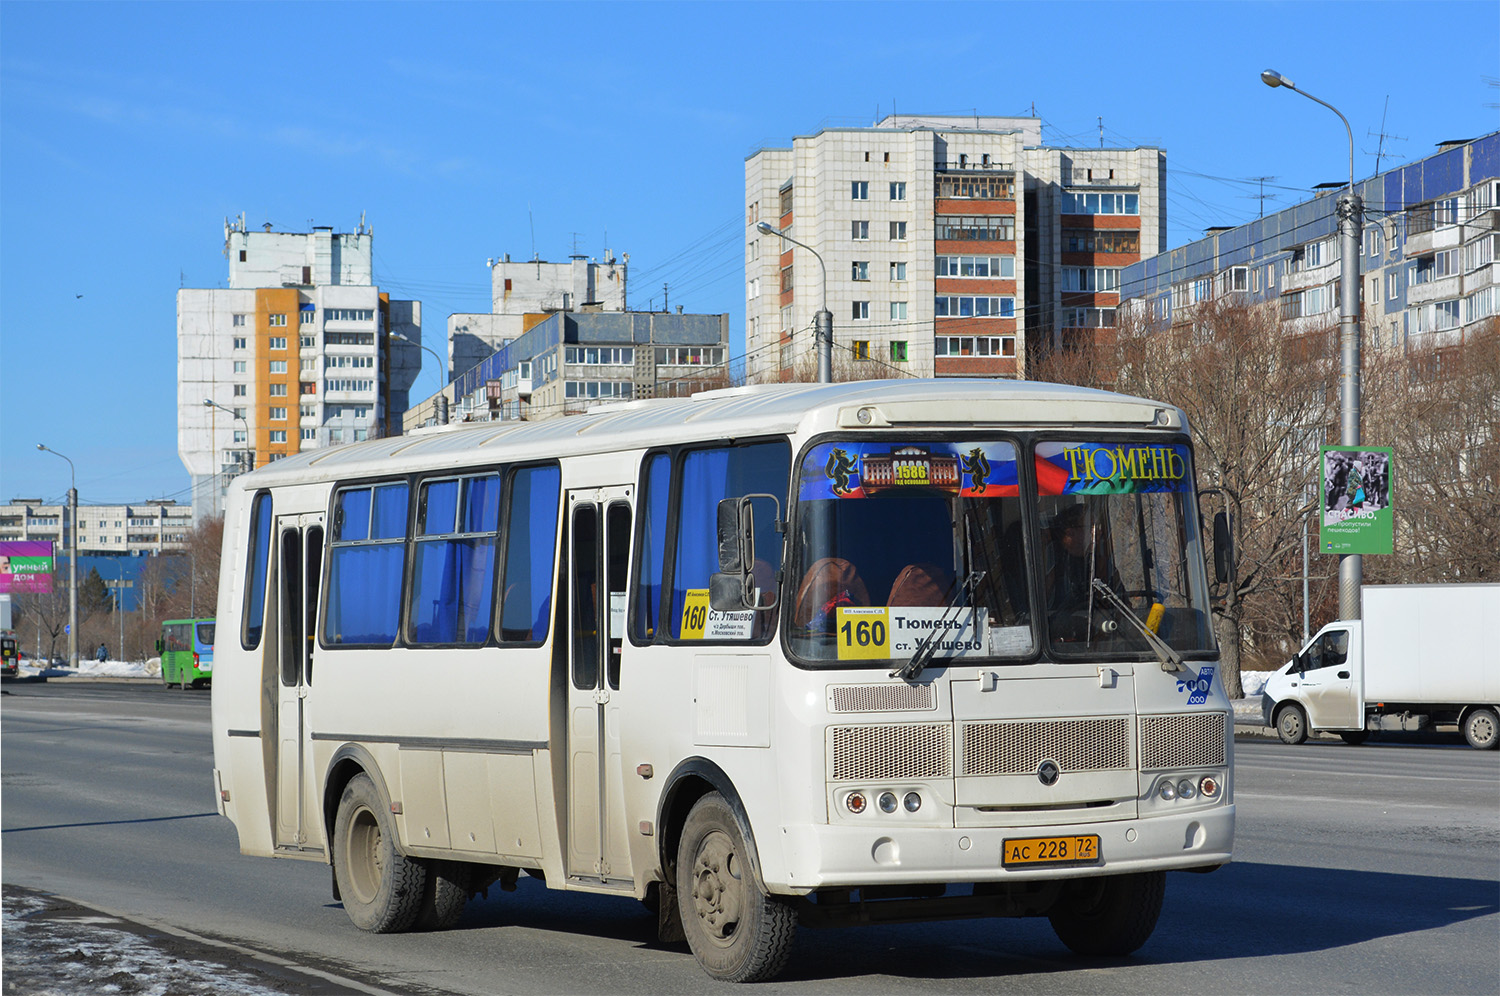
(1424, 651)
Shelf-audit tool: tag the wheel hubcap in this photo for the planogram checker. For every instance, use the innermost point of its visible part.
(366, 862)
(718, 890)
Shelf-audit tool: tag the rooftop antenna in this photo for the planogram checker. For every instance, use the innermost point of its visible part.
(664, 306)
(1262, 180)
(1380, 147)
(531, 221)
(1101, 131)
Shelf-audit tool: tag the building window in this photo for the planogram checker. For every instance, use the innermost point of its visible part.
(786, 279)
(309, 435)
(276, 321)
(956, 306)
(278, 342)
(861, 311)
(752, 289)
(984, 345)
(348, 315)
(307, 314)
(308, 342)
(898, 271)
(1090, 278)
(859, 230)
(239, 390)
(987, 267)
(1100, 203)
(752, 251)
(861, 269)
(309, 364)
(690, 356)
(278, 435)
(976, 227)
(278, 414)
(608, 356)
(238, 321)
(786, 201)
(898, 311)
(277, 390)
(278, 366)
(239, 340)
(859, 190)
(898, 191)
(1088, 318)
(898, 231)
(239, 366)
(898, 351)
(1107, 240)
(308, 388)
(861, 349)
(978, 188)
(240, 435)
(308, 411)
(1392, 285)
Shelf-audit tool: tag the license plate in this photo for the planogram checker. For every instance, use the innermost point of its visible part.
(1050, 850)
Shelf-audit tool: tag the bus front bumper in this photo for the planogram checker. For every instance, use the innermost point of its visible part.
(821, 856)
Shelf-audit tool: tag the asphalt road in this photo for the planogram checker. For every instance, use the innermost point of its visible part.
(1370, 869)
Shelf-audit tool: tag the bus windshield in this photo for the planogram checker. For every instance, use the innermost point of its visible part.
(906, 543)
(1118, 515)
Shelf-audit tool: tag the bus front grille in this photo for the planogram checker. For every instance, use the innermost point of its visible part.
(881, 698)
(1193, 740)
(903, 751)
(1015, 748)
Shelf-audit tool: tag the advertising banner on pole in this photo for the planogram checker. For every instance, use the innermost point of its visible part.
(1357, 514)
(25, 567)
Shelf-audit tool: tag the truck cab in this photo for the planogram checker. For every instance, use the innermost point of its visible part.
(1321, 688)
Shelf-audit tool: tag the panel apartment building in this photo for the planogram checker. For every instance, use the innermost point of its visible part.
(1428, 255)
(952, 245)
(299, 351)
(156, 526)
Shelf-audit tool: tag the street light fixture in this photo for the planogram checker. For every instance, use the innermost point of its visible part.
(1351, 223)
(442, 403)
(823, 320)
(211, 403)
(72, 556)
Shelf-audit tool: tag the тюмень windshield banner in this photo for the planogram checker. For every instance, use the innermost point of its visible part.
(1069, 468)
(858, 469)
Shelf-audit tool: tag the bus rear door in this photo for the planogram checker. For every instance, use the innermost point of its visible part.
(298, 569)
(598, 567)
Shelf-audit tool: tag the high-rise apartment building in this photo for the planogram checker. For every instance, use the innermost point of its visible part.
(950, 244)
(297, 352)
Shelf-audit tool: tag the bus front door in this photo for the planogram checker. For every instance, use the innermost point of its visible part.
(298, 569)
(598, 567)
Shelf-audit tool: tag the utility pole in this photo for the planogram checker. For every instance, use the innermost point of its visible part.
(72, 547)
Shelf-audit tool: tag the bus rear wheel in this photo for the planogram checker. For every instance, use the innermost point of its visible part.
(736, 931)
(382, 889)
(1110, 917)
(444, 896)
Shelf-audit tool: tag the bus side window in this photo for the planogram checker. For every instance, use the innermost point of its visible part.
(453, 575)
(656, 490)
(708, 476)
(255, 570)
(530, 543)
(365, 562)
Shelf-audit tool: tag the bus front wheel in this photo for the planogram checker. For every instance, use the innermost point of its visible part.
(736, 931)
(1109, 917)
(381, 888)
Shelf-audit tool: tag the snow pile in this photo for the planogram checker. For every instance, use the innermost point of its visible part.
(1254, 682)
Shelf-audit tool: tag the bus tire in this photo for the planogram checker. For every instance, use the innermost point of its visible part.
(1109, 917)
(444, 896)
(1482, 729)
(1291, 724)
(382, 889)
(736, 931)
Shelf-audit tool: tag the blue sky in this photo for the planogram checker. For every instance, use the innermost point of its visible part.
(129, 132)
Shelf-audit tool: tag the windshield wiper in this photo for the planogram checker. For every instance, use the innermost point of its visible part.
(925, 649)
(1170, 659)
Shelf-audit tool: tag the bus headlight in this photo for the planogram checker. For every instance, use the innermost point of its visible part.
(1168, 791)
(1186, 789)
(913, 802)
(887, 802)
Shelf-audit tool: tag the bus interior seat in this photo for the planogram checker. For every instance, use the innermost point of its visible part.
(921, 584)
(828, 583)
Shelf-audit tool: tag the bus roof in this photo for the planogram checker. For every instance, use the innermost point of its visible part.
(735, 412)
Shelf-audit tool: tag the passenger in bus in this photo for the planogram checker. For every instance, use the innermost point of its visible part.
(1080, 553)
(828, 583)
(921, 585)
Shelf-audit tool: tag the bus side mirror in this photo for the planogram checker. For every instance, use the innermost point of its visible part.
(732, 588)
(160, 647)
(1223, 547)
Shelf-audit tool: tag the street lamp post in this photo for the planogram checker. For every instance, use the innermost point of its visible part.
(1351, 222)
(72, 556)
(442, 402)
(823, 320)
(211, 403)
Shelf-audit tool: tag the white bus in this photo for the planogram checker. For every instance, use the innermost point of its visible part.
(816, 654)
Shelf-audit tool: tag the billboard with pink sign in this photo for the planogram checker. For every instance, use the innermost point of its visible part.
(25, 567)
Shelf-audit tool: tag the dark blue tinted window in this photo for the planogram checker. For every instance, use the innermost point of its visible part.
(353, 516)
(531, 539)
(453, 578)
(708, 476)
(440, 508)
(653, 547)
(260, 555)
(365, 566)
(389, 520)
